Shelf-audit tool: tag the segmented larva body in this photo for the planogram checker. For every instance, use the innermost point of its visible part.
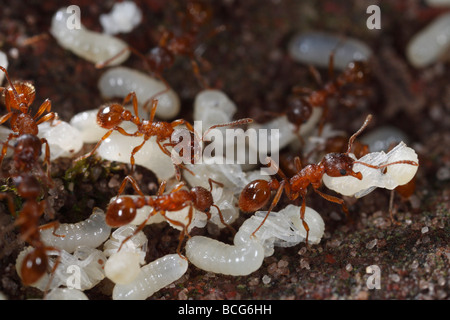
(213, 107)
(431, 43)
(118, 147)
(120, 81)
(92, 46)
(314, 48)
(152, 278)
(63, 138)
(123, 266)
(91, 232)
(218, 257)
(123, 17)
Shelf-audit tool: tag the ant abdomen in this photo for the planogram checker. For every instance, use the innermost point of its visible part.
(120, 212)
(255, 195)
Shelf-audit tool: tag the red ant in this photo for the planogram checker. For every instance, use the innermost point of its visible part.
(111, 116)
(171, 46)
(122, 210)
(300, 107)
(18, 98)
(27, 150)
(257, 193)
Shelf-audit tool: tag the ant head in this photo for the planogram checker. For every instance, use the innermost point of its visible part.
(21, 96)
(120, 212)
(203, 199)
(34, 266)
(298, 111)
(358, 71)
(160, 58)
(112, 115)
(27, 149)
(339, 165)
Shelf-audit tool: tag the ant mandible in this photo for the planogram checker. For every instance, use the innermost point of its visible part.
(122, 210)
(18, 98)
(111, 117)
(257, 193)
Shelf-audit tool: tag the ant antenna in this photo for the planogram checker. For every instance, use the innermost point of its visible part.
(353, 137)
(232, 123)
(16, 94)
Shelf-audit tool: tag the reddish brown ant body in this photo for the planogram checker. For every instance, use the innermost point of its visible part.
(24, 174)
(257, 193)
(111, 117)
(300, 107)
(122, 210)
(18, 98)
(171, 46)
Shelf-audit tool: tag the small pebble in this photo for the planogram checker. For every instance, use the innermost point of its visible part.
(266, 279)
(372, 244)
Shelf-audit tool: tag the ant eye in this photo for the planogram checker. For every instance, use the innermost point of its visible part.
(343, 172)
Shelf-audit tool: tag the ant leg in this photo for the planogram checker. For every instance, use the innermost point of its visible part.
(52, 272)
(5, 146)
(221, 219)
(335, 200)
(302, 217)
(210, 181)
(54, 225)
(47, 160)
(182, 234)
(134, 184)
(298, 163)
(11, 205)
(273, 204)
(6, 117)
(45, 106)
(198, 75)
(132, 96)
(47, 117)
(391, 208)
(136, 150)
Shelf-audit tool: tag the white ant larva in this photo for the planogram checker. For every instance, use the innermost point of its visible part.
(283, 229)
(218, 257)
(4, 64)
(123, 266)
(314, 48)
(66, 294)
(430, 44)
(212, 106)
(118, 147)
(91, 232)
(120, 81)
(394, 175)
(152, 278)
(123, 17)
(63, 138)
(93, 46)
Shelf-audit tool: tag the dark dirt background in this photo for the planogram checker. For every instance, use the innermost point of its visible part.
(250, 63)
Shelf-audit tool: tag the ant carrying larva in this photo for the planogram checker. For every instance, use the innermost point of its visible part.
(257, 193)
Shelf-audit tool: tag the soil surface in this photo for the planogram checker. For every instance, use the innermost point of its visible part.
(249, 61)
